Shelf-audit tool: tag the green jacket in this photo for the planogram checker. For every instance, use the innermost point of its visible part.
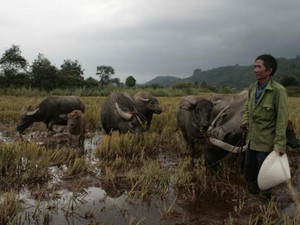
(267, 119)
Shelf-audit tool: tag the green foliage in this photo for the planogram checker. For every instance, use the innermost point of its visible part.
(186, 86)
(16, 76)
(130, 81)
(44, 74)
(71, 74)
(182, 85)
(91, 83)
(293, 91)
(10, 206)
(13, 61)
(14, 68)
(289, 81)
(105, 73)
(155, 86)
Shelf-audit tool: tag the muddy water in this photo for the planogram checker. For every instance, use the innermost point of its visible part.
(92, 206)
(95, 205)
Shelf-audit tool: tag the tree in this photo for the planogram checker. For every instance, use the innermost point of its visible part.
(289, 80)
(115, 81)
(14, 67)
(44, 74)
(12, 60)
(197, 71)
(105, 73)
(130, 81)
(91, 82)
(71, 74)
(182, 85)
(204, 84)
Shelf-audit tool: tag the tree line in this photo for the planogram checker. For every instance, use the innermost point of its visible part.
(16, 72)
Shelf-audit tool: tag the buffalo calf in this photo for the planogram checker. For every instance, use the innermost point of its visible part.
(75, 125)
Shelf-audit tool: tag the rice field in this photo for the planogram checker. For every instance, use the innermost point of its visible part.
(126, 179)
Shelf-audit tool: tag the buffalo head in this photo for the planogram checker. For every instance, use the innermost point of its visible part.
(193, 118)
(119, 113)
(28, 117)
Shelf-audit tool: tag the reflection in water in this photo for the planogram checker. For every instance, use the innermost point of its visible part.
(93, 205)
(5, 138)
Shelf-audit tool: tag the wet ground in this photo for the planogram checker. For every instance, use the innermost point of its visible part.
(96, 204)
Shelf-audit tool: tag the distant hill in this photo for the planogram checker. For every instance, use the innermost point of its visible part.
(232, 76)
(164, 81)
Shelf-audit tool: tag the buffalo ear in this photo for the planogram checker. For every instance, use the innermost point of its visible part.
(63, 116)
(187, 106)
(216, 102)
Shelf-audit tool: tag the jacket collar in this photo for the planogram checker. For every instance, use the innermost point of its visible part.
(269, 85)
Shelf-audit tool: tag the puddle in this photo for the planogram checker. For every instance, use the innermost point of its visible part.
(4, 138)
(95, 206)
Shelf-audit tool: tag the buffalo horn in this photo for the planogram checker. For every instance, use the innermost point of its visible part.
(221, 114)
(226, 146)
(124, 115)
(191, 99)
(144, 99)
(30, 113)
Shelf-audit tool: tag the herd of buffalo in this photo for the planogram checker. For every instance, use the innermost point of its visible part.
(215, 120)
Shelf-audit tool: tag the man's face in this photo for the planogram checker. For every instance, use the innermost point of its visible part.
(262, 74)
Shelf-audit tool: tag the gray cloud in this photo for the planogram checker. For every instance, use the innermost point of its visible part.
(150, 38)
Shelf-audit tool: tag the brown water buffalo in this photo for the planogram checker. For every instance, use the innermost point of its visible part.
(225, 135)
(193, 119)
(124, 113)
(49, 111)
(75, 126)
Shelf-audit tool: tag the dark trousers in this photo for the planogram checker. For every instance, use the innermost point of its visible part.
(253, 162)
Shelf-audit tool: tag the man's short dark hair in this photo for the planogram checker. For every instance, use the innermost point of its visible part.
(269, 62)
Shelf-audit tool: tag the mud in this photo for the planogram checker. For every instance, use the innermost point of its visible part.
(95, 204)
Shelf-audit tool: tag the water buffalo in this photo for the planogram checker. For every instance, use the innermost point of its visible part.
(225, 135)
(146, 104)
(193, 118)
(225, 132)
(49, 111)
(75, 125)
(118, 112)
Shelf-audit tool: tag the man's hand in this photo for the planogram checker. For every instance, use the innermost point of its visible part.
(245, 127)
(279, 152)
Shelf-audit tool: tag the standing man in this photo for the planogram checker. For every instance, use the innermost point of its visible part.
(265, 119)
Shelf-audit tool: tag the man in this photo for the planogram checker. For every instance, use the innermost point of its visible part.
(265, 119)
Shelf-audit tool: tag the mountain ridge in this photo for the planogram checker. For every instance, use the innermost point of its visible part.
(232, 76)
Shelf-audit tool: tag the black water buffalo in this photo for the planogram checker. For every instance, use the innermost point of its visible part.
(49, 111)
(146, 104)
(225, 132)
(225, 135)
(75, 125)
(124, 113)
(193, 118)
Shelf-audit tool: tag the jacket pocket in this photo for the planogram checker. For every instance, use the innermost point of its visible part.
(267, 112)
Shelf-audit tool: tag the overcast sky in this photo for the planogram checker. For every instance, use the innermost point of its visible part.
(146, 39)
